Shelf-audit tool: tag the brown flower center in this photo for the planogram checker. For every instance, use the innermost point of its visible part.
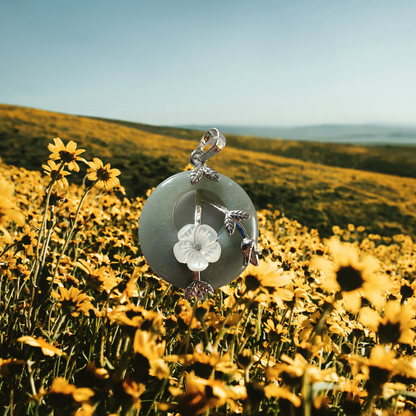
(26, 240)
(252, 282)
(406, 291)
(66, 157)
(378, 376)
(349, 278)
(103, 174)
(389, 332)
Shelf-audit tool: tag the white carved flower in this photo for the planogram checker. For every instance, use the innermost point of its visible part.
(197, 246)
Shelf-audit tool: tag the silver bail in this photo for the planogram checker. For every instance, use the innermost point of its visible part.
(217, 142)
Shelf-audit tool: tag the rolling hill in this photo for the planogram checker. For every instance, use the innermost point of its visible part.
(383, 158)
(315, 195)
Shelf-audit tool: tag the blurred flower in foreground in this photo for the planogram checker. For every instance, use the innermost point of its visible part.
(46, 348)
(291, 371)
(105, 176)
(395, 326)
(145, 345)
(351, 276)
(63, 395)
(376, 369)
(201, 395)
(128, 392)
(11, 366)
(8, 211)
(66, 154)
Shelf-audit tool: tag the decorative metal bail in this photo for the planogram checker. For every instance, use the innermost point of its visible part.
(199, 157)
(217, 142)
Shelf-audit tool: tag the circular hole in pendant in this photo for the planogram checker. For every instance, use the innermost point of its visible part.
(184, 211)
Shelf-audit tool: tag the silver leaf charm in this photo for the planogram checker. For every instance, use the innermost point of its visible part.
(198, 289)
(211, 173)
(201, 170)
(229, 225)
(231, 217)
(196, 174)
(238, 215)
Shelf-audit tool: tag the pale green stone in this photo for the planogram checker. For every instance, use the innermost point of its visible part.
(158, 232)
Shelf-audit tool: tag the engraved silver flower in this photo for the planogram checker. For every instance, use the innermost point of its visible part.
(197, 246)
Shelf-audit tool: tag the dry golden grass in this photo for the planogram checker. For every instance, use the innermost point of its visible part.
(316, 195)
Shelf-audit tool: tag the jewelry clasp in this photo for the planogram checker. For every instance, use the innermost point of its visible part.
(217, 142)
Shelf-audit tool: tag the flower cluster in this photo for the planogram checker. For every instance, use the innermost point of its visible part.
(321, 326)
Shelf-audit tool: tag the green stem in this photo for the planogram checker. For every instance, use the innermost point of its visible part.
(224, 322)
(58, 327)
(44, 220)
(8, 248)
(160, 298)
(68, 239)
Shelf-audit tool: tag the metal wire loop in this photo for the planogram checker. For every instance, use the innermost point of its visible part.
(217, 142)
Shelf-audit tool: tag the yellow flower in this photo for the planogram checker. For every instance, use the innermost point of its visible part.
(145, 345)
(73, 301)
(67, 154)
(62, 394)
(201, 395)
(128, 392)
(292, 370)
(11, 366)
(40, 342)
(51, 169)
(203, 364)
(101, 279)
(28, 240)
(395, 326)
(351, 276)
(134, 317)
(275, 333)
(266, 277)
(377, 369)
(404, 290)
(105, 176)
(8, 211)
(273, 391)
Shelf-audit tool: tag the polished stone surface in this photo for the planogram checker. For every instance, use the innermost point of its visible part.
(158, 231)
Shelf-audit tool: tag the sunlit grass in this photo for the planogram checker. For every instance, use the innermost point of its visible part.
(314, 194)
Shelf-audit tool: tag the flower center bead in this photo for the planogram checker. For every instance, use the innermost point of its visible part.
(197, 247)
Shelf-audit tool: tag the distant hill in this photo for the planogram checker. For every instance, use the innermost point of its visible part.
(315, 195)
(331, 133)
(394, 160)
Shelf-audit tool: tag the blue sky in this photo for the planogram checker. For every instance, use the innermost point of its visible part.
(235, 62)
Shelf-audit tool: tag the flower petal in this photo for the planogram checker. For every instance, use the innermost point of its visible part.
(182, 251)
(205, 235)
(187, 233)
(196, 262)
(212, 252)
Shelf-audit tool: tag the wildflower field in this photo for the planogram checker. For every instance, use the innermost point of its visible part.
(320, 327)
(304, 181)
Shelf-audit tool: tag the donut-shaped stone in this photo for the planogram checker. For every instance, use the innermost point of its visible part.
(158, 232)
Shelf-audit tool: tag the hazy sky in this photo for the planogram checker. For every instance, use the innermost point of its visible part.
(238, 62)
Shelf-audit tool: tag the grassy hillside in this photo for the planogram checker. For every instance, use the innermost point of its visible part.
(317, 196)
(393, 160)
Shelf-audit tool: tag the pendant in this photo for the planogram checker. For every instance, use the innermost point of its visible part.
(198, 229)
